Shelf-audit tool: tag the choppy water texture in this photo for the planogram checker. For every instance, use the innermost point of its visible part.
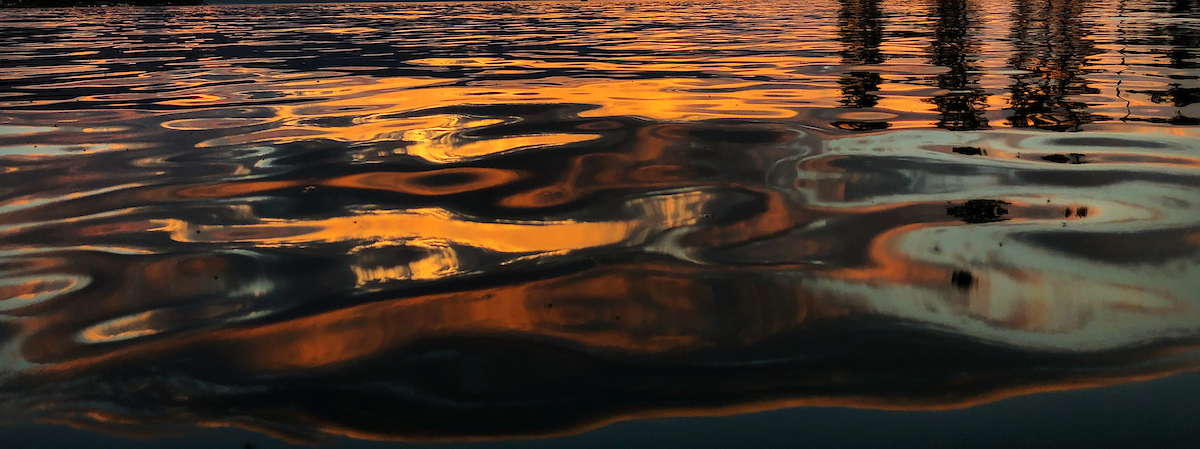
(461, 221)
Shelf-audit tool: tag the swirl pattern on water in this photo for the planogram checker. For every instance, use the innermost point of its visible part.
(413, 221)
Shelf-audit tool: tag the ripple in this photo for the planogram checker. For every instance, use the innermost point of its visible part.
(455, 221)
(20, 292)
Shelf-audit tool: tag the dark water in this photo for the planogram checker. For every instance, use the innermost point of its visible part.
(454, 222)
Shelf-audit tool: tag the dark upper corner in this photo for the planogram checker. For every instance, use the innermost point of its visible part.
(67, 3)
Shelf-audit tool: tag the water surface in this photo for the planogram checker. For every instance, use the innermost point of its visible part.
(465, 221)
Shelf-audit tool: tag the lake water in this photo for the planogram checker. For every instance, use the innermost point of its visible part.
(912, 223)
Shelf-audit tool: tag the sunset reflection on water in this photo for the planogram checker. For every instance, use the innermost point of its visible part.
(449, 221)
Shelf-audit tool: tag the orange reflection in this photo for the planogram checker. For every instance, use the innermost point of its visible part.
(427, 182)
(654, 223)
(532, 237)
(622, 312)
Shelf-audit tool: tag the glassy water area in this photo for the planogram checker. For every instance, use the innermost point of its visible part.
(957, 223)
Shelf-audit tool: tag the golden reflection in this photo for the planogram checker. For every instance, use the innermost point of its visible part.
(442, 148)
(118, 329)
(438, 138)
(652, 214)
(435, 230)
(438, 259)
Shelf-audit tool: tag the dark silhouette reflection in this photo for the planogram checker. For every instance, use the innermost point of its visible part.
(1073, 158)
(1052, 45)
(860, 29)
(1183, 89)
(979, 211)
(954, 46)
